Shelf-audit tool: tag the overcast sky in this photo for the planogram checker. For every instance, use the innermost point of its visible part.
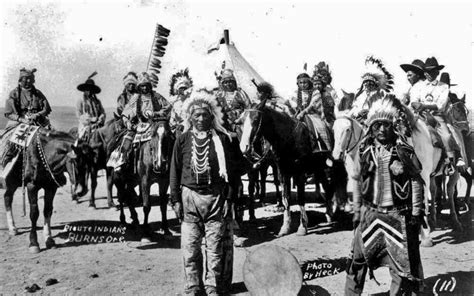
(66, 40)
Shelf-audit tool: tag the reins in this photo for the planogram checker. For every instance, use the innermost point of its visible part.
(44, 161)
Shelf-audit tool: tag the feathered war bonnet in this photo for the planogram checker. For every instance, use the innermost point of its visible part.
(376, 72)
(180, 79)
(205, 99)
(321, 73)
(387, 109)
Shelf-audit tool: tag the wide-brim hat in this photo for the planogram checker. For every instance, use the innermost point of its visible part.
(90, 86)
(432, 64)
(416, 66)
(446, 79)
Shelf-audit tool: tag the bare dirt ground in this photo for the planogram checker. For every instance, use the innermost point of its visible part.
(156, 268)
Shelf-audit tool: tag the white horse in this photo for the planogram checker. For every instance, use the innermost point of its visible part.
(348, 133)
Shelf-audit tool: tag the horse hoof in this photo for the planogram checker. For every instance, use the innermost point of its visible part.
(145, 240)
(50, 243)
(34, 249)
(283, 232)
(13, 232)
(112, 205)
(92, 205)
(427, 243)
(239, 242)
(302, 231)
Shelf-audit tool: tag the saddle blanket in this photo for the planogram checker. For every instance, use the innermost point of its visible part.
(23, 134)
(116, 159)
(144, 133)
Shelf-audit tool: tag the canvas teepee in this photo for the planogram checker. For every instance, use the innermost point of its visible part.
(244, 73)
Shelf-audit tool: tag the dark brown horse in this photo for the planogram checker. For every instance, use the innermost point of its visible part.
(153, 167)
(124, 179)
(261, 159)
(91, 152)
(291, 142)
(44, 164)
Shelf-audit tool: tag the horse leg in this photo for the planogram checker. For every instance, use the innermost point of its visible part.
(429, 193)
(34, 214)
(164, 184)
(145, 190)
(450, 187)
(285, 228)
(121, 199)
(93, 175)
(303, 227)
(110, 184)
(263, 182)
(8, 199)
(48, 212)
(253, 179)
(130, 198)
(276, 180)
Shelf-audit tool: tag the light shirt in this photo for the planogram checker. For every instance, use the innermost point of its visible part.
(434, 92)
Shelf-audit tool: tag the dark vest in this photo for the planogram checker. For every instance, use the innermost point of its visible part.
(401, 186)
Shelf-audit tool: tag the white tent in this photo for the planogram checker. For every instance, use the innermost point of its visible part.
(226, 52)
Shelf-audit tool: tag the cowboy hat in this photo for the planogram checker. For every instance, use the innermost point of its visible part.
(416, 66)
(432, 64)
(89, 85)
(446, 79)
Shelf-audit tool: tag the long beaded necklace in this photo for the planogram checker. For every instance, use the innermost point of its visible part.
(200, 158)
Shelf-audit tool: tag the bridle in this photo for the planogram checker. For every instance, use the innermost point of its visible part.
(251, 153)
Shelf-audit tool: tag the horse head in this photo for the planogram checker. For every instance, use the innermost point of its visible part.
(57, 156)
(161, 145)
(346, 101)
(347, 135)
(251, 128)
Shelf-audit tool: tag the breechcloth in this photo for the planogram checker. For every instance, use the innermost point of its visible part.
(203, 217)
(384, 238)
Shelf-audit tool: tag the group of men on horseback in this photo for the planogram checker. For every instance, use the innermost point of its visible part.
(206, 163)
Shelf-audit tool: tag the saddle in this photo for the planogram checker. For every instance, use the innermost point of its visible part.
(14, 141)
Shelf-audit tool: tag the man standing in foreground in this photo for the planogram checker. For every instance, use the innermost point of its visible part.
(387, 205)
(202, 163)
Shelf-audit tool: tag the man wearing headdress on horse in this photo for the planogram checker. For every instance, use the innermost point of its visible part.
(144, 107)
(25, 104)
(232, 99)
(89, 109)
(322, 79)
(202, 163)
(130, 82)
(180, 89)
(388, 203)
(309, 109)
(376, 82)
(433, 98)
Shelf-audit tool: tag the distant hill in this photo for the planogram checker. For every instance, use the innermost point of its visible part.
(62, 117)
